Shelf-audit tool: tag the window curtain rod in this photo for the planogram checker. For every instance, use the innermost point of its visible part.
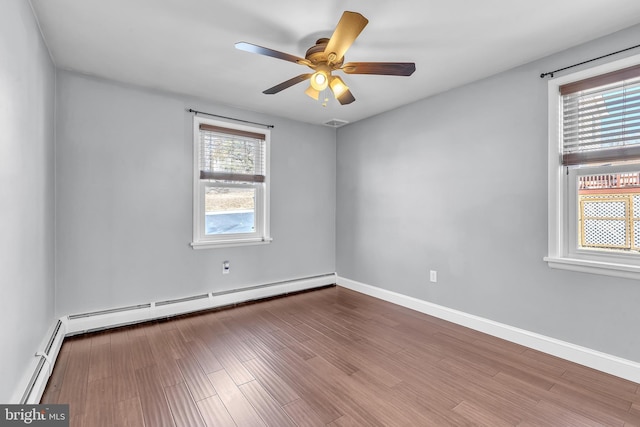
(229, 118)
(551, 73)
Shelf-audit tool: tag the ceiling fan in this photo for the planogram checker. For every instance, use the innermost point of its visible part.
(326, 56)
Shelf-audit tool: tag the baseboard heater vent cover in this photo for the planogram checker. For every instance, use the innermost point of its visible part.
(110, 311)
(186, 299)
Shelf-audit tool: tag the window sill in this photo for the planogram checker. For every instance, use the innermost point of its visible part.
(595, 267)
(230, 243)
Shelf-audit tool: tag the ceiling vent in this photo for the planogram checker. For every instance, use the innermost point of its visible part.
(335, 123)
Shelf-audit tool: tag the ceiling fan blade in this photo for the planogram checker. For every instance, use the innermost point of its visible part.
(284, 85)
(346, 98)
(253, 48)
(349, 27)
(383, 68)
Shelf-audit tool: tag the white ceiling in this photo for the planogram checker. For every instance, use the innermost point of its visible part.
(187, 46)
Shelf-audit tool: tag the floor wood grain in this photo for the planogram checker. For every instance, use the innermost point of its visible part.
(184, 409)
(331, 357)
(214, 412)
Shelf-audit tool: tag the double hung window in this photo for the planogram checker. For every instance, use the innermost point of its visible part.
(594, 170)
(231, 184)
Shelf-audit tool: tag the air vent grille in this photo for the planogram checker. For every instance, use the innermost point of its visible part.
(335, 123)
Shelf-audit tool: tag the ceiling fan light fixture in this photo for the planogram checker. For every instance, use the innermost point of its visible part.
(338, 86)
(319, 81)
(311, 92)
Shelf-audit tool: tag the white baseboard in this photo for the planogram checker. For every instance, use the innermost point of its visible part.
(604, 362)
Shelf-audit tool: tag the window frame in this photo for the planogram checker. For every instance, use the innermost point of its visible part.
(562, 227)
(261, 235)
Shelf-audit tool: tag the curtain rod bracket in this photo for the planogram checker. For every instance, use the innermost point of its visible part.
(196, 112)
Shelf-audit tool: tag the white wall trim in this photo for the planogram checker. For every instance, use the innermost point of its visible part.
(604, 362)
(615, 269)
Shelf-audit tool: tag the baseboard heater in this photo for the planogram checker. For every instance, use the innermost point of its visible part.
(75, 324)
(121, 316)
(44, 365)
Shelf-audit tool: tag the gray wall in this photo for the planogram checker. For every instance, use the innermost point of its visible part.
(124, 200)
(27, 81)
(458, 183)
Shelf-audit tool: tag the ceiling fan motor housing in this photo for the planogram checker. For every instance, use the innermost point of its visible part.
(316, 54)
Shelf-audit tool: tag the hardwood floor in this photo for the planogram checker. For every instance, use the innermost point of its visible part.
(331, 357)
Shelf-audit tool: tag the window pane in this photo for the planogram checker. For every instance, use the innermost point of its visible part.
(229, 210)
(601, 118)
(609, 212)
(230, 154)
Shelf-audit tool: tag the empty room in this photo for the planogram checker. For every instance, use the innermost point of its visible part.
(339, 213)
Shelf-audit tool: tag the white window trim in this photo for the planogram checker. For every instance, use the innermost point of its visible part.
(262, 234)
(559, 256)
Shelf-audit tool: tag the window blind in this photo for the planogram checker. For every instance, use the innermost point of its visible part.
(231, 154)
(601, 118)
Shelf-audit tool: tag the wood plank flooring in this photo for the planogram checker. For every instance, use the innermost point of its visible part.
(331, 357)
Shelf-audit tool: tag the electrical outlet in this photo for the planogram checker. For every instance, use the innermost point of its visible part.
(226, 267)
(433, 276)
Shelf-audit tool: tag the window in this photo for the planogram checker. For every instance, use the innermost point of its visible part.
(594, 170)
(230, 184)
